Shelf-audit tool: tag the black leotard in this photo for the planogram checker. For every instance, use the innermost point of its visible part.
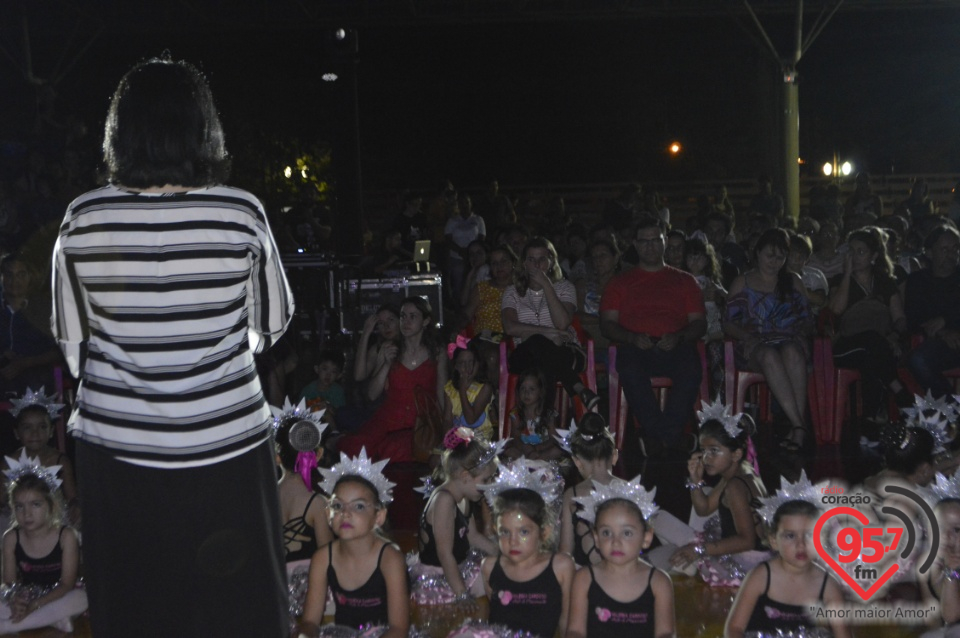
(581, 530)
(770, 615)
(534, 605)
(366, 605)
(461, 544)
(728, 527)
(44, 571)
(611, 618)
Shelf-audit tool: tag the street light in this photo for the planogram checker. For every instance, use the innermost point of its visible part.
(675, 148)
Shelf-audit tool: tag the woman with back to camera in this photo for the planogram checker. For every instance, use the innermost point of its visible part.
(165, 284)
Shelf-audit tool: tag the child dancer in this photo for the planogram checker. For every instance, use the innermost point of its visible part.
(942, 583)
(594, 454)
(297, 434)
(724, 442)
(365, 572)
(446, 534)
(528, 585)
(467, 394)
(619, 512)
(532, 424)
(34, 412)
(40, 556)
(775, 596)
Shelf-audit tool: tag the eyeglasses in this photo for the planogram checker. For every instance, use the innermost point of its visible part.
(354, 507)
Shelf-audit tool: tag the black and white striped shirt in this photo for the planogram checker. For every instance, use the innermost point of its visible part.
(172, 294)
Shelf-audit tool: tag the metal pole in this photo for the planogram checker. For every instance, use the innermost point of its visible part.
(791, 148)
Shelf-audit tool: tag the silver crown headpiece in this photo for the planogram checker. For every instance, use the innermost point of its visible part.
(935, 422)
(632, 491)
(18, 468)
(802, 490)
(720, 412)
(363, 467)
(541, 477)
(927, 403)
(564, 437)
(944, 487)
(36, 398)
(307, 430)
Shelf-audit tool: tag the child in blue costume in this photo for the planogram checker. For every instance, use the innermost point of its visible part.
(528, 586)
(623, 595)
(365, 572)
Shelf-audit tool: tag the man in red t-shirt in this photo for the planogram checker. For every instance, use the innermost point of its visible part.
(656, 315)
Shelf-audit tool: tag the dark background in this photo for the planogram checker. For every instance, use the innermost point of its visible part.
(529, 102)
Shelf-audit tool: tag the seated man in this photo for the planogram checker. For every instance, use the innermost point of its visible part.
(656, 314)
(932, 304)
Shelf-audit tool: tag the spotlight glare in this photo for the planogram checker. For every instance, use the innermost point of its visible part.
(303, 173)
(675, 148)
(828, 169)
(340, 34)
(287, 172)
(846, 168)
(329, 77)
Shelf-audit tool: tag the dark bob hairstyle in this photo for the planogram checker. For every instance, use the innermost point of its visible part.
(163, 128)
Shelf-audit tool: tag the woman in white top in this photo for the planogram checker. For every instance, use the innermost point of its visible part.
(537, 311)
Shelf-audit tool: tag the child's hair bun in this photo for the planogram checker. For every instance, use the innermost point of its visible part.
(747, 424)
(592, 424)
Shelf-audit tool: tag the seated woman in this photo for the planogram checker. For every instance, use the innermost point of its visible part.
(767, 314)
(418, 366)
(870, 317)
(385, 324)
(537, 311)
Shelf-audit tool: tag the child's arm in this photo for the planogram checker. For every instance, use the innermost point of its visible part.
(447, 412)
(577, 623)
(444, 524)
(9, 567)
(566, 524)
(69, 568)
(665, 619)
(746, 600)
(565, 570)
(473, 411)
(394, 570)
(549, 449)
(486, 568)
(703, 504)
(316, 601)
(833, 596)
(479, 540)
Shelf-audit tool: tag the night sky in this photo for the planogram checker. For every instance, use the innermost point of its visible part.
(555, 102)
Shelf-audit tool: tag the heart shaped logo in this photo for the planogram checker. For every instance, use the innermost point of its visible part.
(505, 597)
(603, 614)
(831, 561)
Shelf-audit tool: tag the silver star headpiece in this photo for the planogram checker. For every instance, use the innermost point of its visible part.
(363, 467)
(632, 491)
(429, 485)
(937, 424)
(927, 403)
(720, 412)
(802, 490)
(539, 476)
(564, 437)
(36, 398)
(17, 468)
(298, 412)
(491, 453)
(944, 487)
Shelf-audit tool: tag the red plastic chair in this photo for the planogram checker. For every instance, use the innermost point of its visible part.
(508, 384)
(662, 385)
